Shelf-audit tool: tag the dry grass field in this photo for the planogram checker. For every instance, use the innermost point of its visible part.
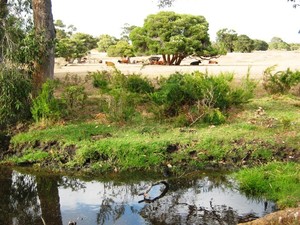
(237, 63)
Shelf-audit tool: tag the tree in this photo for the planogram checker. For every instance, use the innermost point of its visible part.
(3, 15)
(278, 44)
(75, 47)
(260, 45)
(243, 44)
(45, 31)
(174, 36)
(62, 31)
(122, 48)
(126, 31)
(227, 38)
(105, 40)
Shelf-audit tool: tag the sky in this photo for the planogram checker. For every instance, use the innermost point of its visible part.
(258, 19)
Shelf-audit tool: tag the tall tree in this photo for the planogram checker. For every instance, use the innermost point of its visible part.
(45, 32)
(243, 44)
(227, 38)
(174, 36)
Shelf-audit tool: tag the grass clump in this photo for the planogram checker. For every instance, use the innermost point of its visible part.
(277, 181)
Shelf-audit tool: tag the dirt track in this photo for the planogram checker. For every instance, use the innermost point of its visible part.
(237, 63)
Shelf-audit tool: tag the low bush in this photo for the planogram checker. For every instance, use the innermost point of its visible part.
(137, 84)
(73, 93)
(280, 82)
(45, 105)
(101, 80)
(198, 96)
(15, 95)
(210, 96)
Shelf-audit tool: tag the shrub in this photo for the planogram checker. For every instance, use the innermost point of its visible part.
(101, 80)
(280, 82)
(45, 105)
(137, 84)
(200, 92)
(214, 116)
(15, 92)
(120, 105)
(73, 94)
(170, 94)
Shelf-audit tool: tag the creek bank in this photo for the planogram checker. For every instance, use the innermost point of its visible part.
(290, 216)
(62, 156)
(4, 143)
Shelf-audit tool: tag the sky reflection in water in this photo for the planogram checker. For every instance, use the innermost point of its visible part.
(202, 199)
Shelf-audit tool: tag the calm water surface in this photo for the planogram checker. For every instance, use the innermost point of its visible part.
(132, 199)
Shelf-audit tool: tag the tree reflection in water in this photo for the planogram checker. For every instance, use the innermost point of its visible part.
(201, 199)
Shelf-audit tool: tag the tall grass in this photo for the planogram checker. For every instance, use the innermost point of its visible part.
(276, 180)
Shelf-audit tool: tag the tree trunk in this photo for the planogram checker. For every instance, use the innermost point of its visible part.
(44, 27)
(3, 14)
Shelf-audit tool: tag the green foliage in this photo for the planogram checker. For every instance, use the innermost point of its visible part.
(101, 80)
(214, 116)
(31, 156)
(73, 95)
(137, 84)
(193, 95)
(170, 94)
(198, 95)
(45, 106)
(243, 44)
(260, 45)
(120, 105)
(227, 38)
(75, 46)
(105, 41)
(278, 44)
(15, 90)
(280, 82)
(276, 181)
(121, 48)
(175, 36)
(63, 31)
(15, 21)
(31, 50)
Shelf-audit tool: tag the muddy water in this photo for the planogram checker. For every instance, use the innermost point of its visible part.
(204, 198)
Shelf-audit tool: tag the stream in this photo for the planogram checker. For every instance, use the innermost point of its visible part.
(203, 197)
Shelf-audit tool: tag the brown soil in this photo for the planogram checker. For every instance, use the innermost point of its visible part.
(284, 217)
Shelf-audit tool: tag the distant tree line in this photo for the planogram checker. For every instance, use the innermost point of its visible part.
(162, 38)
(234, 42)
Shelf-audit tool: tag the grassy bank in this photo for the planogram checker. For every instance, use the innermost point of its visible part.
(184, 123)
(263, 138)
(276, 181)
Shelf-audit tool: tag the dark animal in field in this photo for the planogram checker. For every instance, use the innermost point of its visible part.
(212, 62)
(195, 63)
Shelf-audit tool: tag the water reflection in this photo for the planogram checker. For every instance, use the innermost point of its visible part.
(39, 199)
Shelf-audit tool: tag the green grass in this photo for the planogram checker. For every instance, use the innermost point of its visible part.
(247, 140)
(277, 181)
(30, 156)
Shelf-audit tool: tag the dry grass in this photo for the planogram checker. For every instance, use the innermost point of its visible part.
(238, 63)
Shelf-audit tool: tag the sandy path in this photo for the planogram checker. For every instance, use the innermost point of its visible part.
(237, 63)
